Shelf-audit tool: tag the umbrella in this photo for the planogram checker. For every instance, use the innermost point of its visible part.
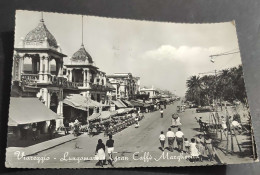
(134, 114)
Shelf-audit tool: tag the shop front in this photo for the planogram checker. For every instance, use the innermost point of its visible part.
(26, 122)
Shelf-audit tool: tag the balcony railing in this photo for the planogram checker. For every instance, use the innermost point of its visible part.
(30, 79)
(98, 87)
(63, 82)
(33, 80)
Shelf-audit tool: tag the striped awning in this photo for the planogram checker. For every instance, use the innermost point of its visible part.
(119, 104)
(93, 116)
(128, 103)
(136, 103)
(29, 110)
(80, 102)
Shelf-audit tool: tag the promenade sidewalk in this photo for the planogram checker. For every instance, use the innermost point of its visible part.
(243, 140)
(31, 150)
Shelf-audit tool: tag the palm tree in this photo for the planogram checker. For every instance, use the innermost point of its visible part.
(228, 85)
(239, 84)
(194, 88)
(224, 86)
(208, 88)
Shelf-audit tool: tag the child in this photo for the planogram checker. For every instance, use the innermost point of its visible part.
(187, 145)
(162, 140)
(193, 150)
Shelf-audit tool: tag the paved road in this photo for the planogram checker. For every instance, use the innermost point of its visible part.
(134, 147)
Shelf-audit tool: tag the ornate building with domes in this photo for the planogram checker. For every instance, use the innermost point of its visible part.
(92, 82)
(82, 70)
(38, 50)
(39, 71)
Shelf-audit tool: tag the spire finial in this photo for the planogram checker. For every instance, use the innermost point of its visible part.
(82, 31)
(42, 17)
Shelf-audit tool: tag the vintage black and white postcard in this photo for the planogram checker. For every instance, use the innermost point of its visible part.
(96, 92)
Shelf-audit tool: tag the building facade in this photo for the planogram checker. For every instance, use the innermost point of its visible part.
(91, 82)
(39, 71)
(39, 50)
(151, 92)
(126, 86)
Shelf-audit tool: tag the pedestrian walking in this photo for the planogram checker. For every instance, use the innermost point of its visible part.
(76, 129)
(94, 130)
(187, 145)
(194, 152)
(201, 147)
(161, 112)
(209, 147)
(154, 107)
(66, 127)
(110, 149)
(139, 112)
(179, 139)
(25, 132)
(100, 152)
(34, 132)
(176, 121)
(50, 130)
(201, 124)
(136, 122)
(171, 136)
(162, 140)
(76, 121)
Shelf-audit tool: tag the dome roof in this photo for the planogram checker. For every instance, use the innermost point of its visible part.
(40, 34)
(82, 56)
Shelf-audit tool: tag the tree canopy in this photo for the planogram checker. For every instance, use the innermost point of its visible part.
(226, 85)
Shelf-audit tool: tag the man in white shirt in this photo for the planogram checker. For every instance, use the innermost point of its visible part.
(179, 138)
(170, 135)
(162, 140)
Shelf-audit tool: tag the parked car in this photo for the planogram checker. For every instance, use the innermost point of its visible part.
(192, 105)
(204, 109)
(236, 102)
(225, 103)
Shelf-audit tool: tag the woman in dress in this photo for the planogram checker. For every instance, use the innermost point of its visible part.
(201, 147)
(176, 121)
(100, 151)
(209, 147)
(194, 152)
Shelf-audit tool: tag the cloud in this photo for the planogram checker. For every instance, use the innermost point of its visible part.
(173, 65)
(162, 54)
(182, 53)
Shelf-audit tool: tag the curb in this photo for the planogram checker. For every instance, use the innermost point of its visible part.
(218, 157)
(34, 149)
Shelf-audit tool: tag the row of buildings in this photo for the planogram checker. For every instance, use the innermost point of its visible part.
(71, 90)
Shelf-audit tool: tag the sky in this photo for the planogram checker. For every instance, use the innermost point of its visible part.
(162, 54)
